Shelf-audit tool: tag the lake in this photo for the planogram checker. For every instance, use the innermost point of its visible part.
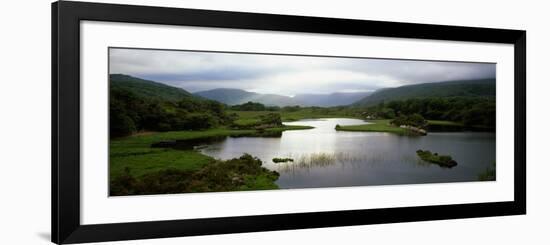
(324, 157)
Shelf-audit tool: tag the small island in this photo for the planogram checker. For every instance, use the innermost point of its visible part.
(413, 124)
(373, 126)
(441, 160)
(278, 160)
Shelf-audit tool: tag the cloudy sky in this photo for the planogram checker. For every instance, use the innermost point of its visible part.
(286, 75)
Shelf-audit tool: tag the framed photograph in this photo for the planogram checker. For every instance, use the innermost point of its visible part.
(174, 122)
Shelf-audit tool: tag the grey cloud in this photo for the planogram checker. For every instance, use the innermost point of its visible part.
(418, 71)
(286, 74)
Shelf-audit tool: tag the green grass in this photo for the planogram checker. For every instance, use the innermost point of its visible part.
(242, 173)
(135, 152)
(309, 113)
(157, 160)
(375, 126)
(289, 127)
(260, 182)
(490, 174)
(252, 117)
(385, 126)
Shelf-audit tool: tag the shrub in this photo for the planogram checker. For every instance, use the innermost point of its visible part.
(245, 172)
(441, 160)
(271, 119)
(415, 120)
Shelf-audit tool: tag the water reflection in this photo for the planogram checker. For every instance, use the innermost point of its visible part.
(324, 157)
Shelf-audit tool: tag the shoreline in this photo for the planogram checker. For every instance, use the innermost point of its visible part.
(133, 158)
(136, 153)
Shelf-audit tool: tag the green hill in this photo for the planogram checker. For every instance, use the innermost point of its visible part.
(464, 88)
(147, 89)
(140, 105)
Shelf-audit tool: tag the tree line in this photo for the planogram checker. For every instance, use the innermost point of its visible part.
(129, 113)
(478, 112)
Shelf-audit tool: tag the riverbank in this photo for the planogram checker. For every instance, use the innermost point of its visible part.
(132, 158)
(253, 117)
(373, 126)
(384, 125)
(247, 118)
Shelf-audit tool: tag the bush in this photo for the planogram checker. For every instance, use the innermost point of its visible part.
(249, 106)
(478, 112)
(245, 172)
(120, 124)
(199, 122)
(441, 160)
(129, 113)
(415, 120)
(271, 119)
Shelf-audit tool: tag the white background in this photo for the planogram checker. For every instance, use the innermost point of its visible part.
(96, 208)
(25, 107)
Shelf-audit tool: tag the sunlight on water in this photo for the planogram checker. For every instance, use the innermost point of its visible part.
(324, 157)
(317, 160)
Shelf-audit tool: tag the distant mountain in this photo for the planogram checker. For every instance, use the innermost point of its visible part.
(146, 88)
(463, 88)
(238, 96)
(328, 100)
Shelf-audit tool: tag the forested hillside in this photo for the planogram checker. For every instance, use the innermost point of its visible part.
(147, 89)
(466, 88)
(141, 105)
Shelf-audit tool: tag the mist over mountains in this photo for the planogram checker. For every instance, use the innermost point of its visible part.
(462, 88)
(238, 96)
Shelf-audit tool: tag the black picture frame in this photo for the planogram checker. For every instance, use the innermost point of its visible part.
(66, 18)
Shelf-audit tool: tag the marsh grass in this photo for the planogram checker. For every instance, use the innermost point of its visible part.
(327, 159)
(490, 174)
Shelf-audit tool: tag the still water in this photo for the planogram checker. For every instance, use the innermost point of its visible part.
(324, 157)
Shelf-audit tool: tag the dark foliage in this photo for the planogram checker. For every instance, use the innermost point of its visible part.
(254, 106)
(129, 113)
(147, 89)
(441, 160)
(415, 120)
(249, 106)
(231, 175)
(271, 119)
(481, 88)
(472, 112)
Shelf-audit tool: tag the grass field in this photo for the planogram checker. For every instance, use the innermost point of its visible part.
(385, 126)
(134, 157)
(374, 126)
(253, 117)
(135, 152)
